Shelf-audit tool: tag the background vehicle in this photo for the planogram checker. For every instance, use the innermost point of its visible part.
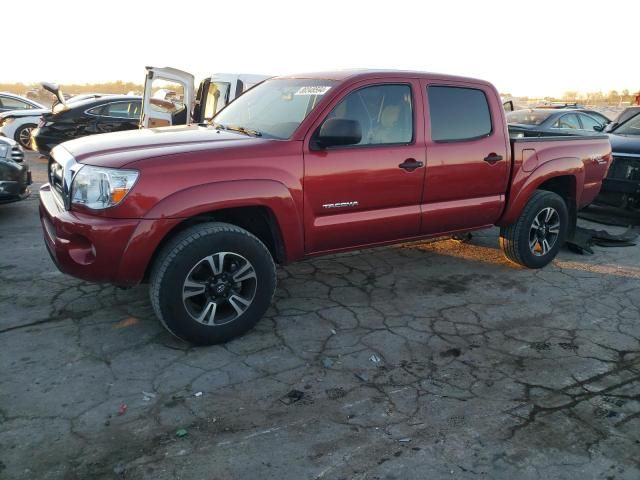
(621, 187)
(304, 166)
(15, 176)
(16, 123)
(554, 120)
(213, 94)
(75, 119)
(9, 101)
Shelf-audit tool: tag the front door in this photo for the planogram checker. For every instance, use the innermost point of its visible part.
(468, 162)
(369, 192)
(167, 98)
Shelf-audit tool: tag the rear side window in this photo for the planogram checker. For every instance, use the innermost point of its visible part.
(458, 113)
(14, 104)
(122, 110)
(589, 123)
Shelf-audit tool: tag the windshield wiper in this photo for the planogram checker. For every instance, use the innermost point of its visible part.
(235, 128)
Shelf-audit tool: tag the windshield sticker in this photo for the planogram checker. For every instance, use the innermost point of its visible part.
(312, 90)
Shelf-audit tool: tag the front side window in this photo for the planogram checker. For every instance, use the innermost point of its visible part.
(569, 121)
(384, 113)
(458, 113)
(275, 108)
(589, 123)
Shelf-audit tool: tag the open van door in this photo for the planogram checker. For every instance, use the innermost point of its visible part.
(215, 93)
(211, 98)
(167, 98)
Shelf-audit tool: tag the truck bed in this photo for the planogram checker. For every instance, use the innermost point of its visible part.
(538, 156)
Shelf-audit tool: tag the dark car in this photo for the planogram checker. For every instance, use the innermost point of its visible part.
(69, 120)
(15, 176)
(555, 120)
(621, 187)
(622, 117)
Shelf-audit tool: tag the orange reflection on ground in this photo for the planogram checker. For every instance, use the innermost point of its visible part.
(603, 269)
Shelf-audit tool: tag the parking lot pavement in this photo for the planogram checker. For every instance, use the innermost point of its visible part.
(435, 360)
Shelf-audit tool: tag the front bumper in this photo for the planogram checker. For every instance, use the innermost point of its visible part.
(13, 191)
(85, 246)
(17, 188)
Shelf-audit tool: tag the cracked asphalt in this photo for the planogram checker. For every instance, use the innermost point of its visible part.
(433, 360)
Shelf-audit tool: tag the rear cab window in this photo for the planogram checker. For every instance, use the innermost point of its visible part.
(458, 113)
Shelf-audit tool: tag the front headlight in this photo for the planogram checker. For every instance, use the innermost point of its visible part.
(3, 150)
(98, 188)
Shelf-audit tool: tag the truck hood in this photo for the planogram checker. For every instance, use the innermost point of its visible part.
(34, 112)
(625, 143)
(121, 148)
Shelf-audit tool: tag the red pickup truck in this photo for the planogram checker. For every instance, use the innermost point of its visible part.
(301, 166)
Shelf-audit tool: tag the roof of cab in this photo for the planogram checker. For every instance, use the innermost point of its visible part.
(363, 74)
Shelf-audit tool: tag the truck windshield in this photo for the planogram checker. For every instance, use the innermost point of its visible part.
(527, 117)
(275, 108)
(630, 127)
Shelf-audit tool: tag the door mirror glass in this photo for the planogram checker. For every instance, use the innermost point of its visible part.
(339, 132)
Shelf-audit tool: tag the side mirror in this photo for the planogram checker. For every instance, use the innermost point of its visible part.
(599, 128)
(338, 132)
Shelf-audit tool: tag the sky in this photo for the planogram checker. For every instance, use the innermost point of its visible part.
(535, 48)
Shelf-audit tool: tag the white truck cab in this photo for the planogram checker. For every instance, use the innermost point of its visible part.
(169, 98)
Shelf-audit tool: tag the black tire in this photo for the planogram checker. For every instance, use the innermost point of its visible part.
(23, 135)
(516, 239)
(185, 254)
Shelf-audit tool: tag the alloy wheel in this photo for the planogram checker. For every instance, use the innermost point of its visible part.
(544, 231)
(219, 288)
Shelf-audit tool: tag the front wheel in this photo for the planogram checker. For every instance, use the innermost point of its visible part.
(212, 282)
(537, 235)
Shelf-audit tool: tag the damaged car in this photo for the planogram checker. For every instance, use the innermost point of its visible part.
(69, 120)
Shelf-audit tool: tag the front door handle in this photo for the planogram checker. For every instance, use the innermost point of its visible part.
(410, 164)
(492, 158)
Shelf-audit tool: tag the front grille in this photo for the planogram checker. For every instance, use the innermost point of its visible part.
(625, 168)
(56, 177)
(17, 155)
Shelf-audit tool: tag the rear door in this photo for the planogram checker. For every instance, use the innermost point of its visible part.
(467, 157)
(168, 98)
(116, 116)
(370, 192)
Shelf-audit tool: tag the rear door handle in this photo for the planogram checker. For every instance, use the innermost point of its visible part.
(492, 158)
(410, 164)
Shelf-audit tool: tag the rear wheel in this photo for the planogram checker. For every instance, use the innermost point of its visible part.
(23, 135)
(212, 282)
(537, 235)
